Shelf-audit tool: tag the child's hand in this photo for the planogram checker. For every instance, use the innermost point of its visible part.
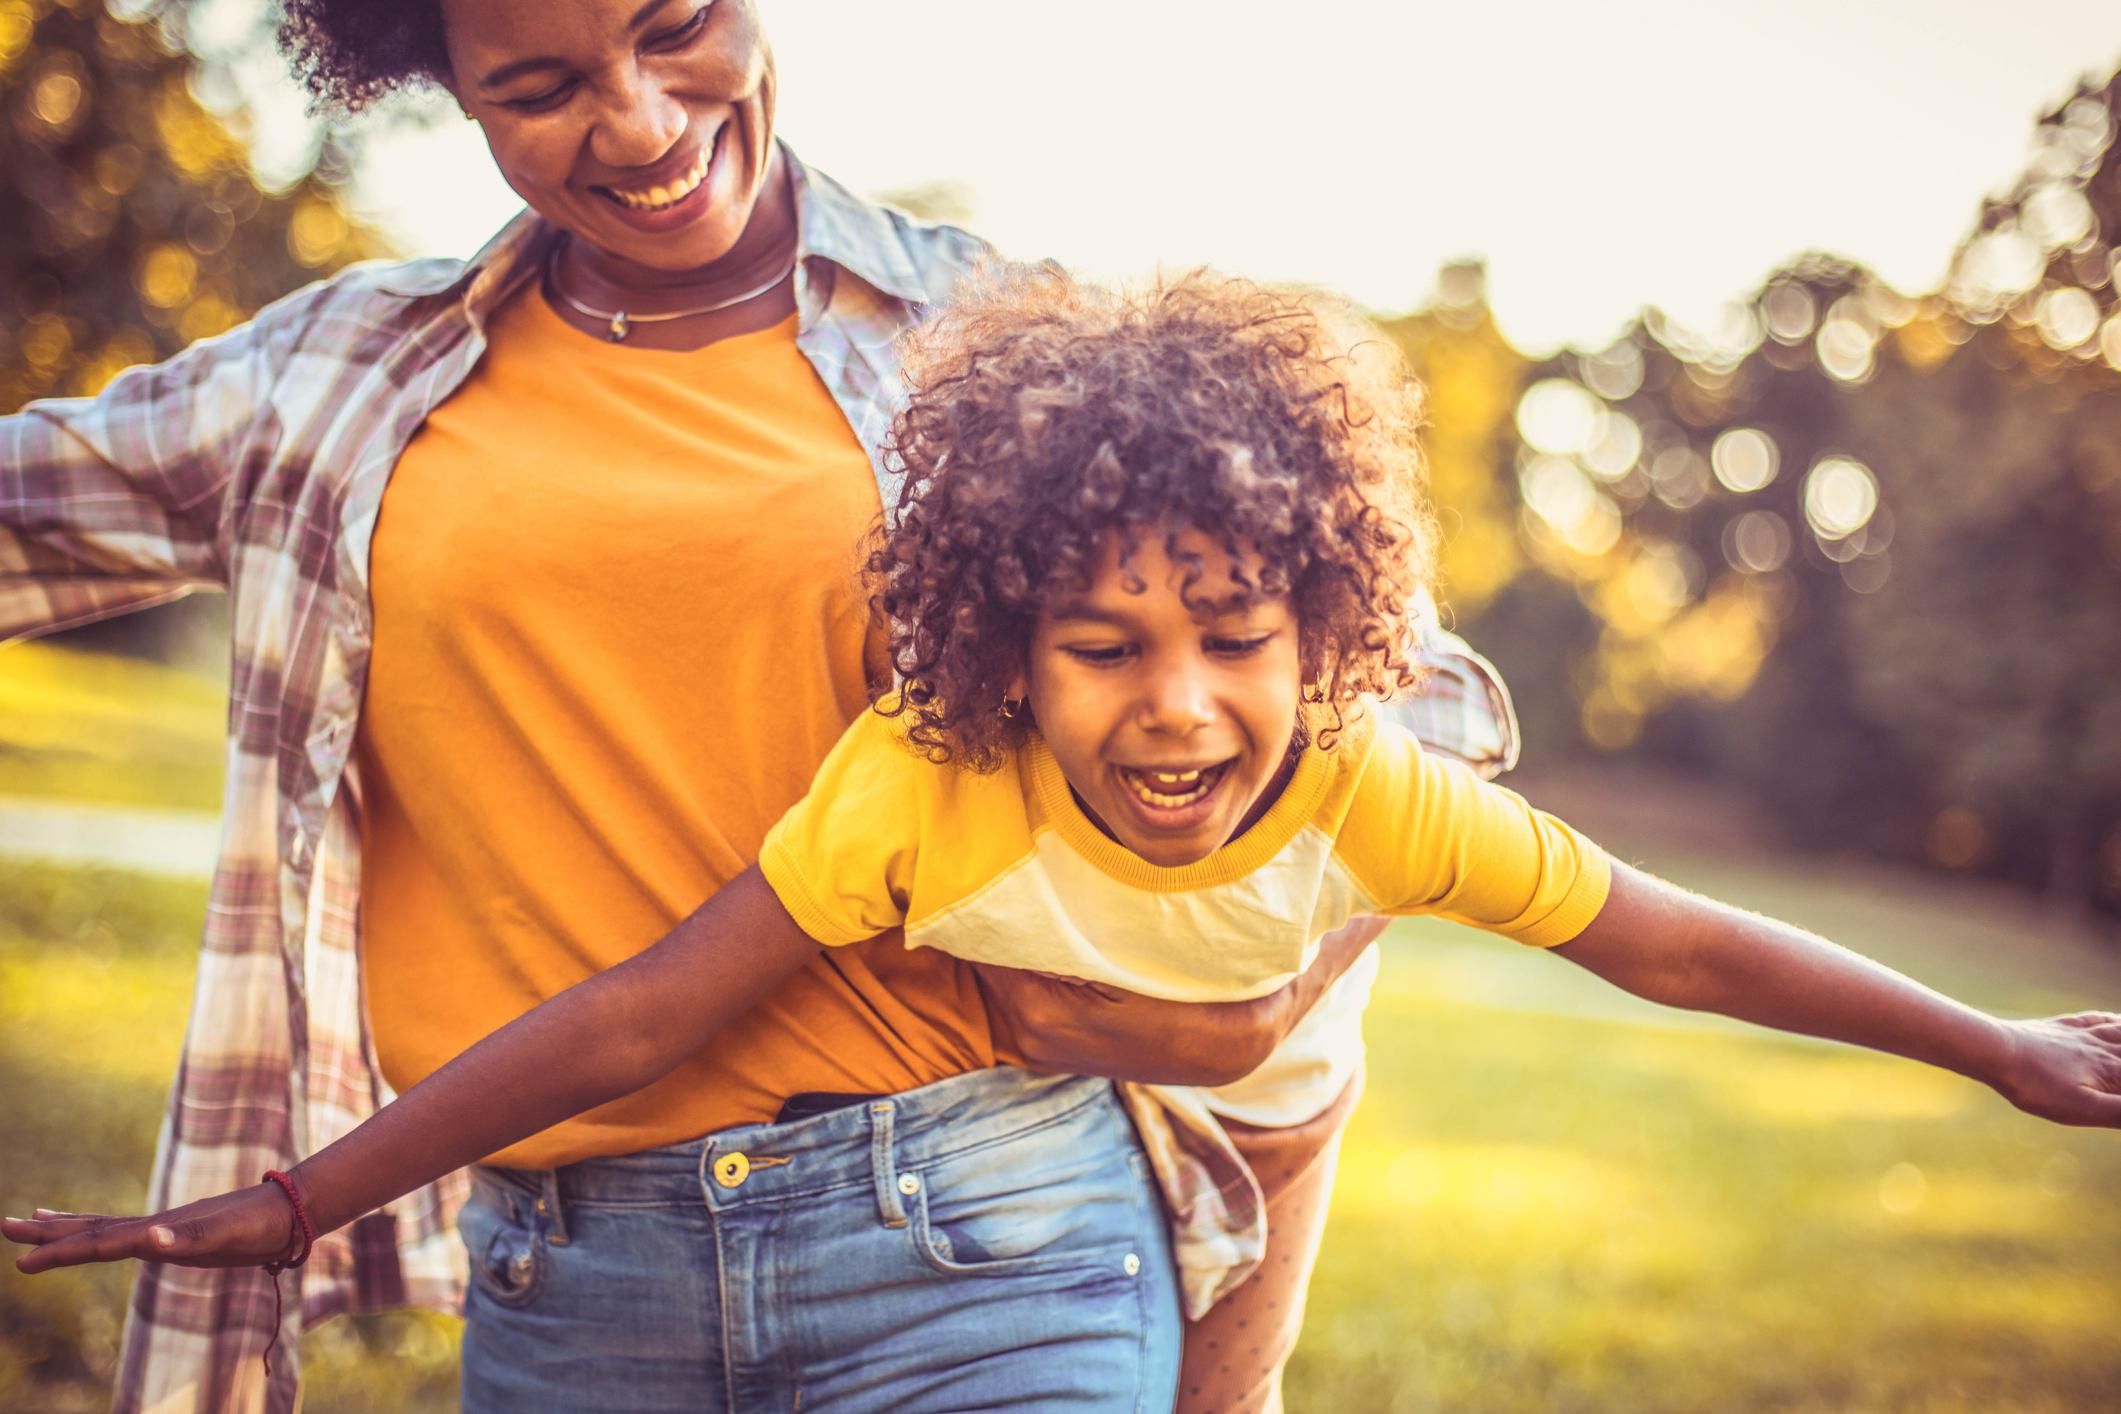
(244, 1229)
(2066, 1068)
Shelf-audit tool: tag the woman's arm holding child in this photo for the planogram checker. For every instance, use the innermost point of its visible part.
(1670, 946)
(1065, 1026)
(595, 1042)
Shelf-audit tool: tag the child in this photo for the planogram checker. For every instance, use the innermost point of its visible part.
(1153, 558)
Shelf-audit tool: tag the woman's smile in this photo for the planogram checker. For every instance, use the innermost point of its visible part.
(650, 194)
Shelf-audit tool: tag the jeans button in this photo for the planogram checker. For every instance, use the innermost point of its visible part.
(909, 1184)
(731, 1169)
(1131, 1264)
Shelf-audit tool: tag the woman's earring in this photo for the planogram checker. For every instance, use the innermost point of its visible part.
(1011, 708)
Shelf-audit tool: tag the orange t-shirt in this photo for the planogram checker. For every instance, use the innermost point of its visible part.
(618, 625)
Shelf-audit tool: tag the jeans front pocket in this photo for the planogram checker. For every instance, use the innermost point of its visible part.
(1003, 1211)
(508, 1254)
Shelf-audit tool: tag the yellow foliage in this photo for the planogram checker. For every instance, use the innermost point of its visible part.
(315, 232)
(17, 22)
(166, 276)
(46, 342)
(1926, 341)
(207, 316)
(121, 351)
(1472, 378)
(196, 142)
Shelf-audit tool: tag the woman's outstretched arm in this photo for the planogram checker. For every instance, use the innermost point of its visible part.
(1667, 945)
(597, 1041)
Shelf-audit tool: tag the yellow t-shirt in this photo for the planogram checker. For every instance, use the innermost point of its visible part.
(618, 624)
(1006, 868)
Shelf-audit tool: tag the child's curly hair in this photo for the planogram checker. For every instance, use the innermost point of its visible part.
(1046, 412)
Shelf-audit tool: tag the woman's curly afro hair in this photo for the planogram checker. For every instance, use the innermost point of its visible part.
(349, 53)
(1046, 414)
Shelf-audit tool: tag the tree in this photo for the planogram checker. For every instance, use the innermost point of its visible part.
(131, 222)
(1862, 552)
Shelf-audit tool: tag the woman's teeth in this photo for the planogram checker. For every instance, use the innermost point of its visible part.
(1167, 790)
(657, 197)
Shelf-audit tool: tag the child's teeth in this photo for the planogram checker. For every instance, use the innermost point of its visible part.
(1178, 787)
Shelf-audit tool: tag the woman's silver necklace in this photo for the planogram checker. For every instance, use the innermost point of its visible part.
(619, 323)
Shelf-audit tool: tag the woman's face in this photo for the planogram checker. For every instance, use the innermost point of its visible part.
(643, 127)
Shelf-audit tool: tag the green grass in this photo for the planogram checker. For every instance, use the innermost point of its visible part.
(1560, 1212)
(1536, 1211)
(1553, 1198)
(95, 979)
(108, 729)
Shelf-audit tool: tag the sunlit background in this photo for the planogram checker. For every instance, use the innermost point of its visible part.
(1775, 376)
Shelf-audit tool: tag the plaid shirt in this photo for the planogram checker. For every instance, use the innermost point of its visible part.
(255, 463)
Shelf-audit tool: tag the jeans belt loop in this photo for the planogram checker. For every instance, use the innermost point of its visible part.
(888, 1206)
(551, 1208)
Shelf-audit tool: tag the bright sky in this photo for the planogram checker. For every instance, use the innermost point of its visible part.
(1601, 157)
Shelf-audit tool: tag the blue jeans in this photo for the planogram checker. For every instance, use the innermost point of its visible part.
(992, 1241)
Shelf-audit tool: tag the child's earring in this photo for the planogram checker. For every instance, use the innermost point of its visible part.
(1011, 708)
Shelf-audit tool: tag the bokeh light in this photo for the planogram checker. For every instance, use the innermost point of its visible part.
(1615, 446)
(1997, 267)
(1840, 496)
(2067, 317)
(1789, 312)
(1757, 542)
(2057, 215)
(1562, 496)
(1845, 348)
(1744, 459)
(1680, 477)
(1557, 416)
(1613, 373)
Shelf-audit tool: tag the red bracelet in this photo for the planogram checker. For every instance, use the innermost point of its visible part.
(300, 1227)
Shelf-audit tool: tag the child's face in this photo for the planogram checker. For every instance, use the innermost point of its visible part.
(1170, 720)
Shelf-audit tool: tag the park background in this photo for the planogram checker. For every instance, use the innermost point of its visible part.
(1811, 599)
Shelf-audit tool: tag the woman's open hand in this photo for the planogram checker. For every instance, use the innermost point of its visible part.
(2066, 1068)
(243, 1229)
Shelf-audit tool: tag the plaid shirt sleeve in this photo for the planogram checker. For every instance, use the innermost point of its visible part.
(124, 500)
(1463, 709)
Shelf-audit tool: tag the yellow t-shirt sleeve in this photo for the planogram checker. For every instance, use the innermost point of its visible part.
(1426, 835)
(841, 860)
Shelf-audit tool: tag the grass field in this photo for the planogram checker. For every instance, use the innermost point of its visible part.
(1552, 1199)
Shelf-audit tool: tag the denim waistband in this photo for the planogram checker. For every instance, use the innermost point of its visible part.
(864, 1145)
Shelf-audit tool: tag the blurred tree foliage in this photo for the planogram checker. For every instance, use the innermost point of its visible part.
(1857, 552)
(131, 221)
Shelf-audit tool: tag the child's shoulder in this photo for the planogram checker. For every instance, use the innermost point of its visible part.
(1382, 773)
(1349, 749)
(880, 745)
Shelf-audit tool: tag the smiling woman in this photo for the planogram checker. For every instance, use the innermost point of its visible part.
(548, 607)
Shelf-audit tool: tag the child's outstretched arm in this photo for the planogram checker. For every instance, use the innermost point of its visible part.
(597, 1041)
(1665, 944)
